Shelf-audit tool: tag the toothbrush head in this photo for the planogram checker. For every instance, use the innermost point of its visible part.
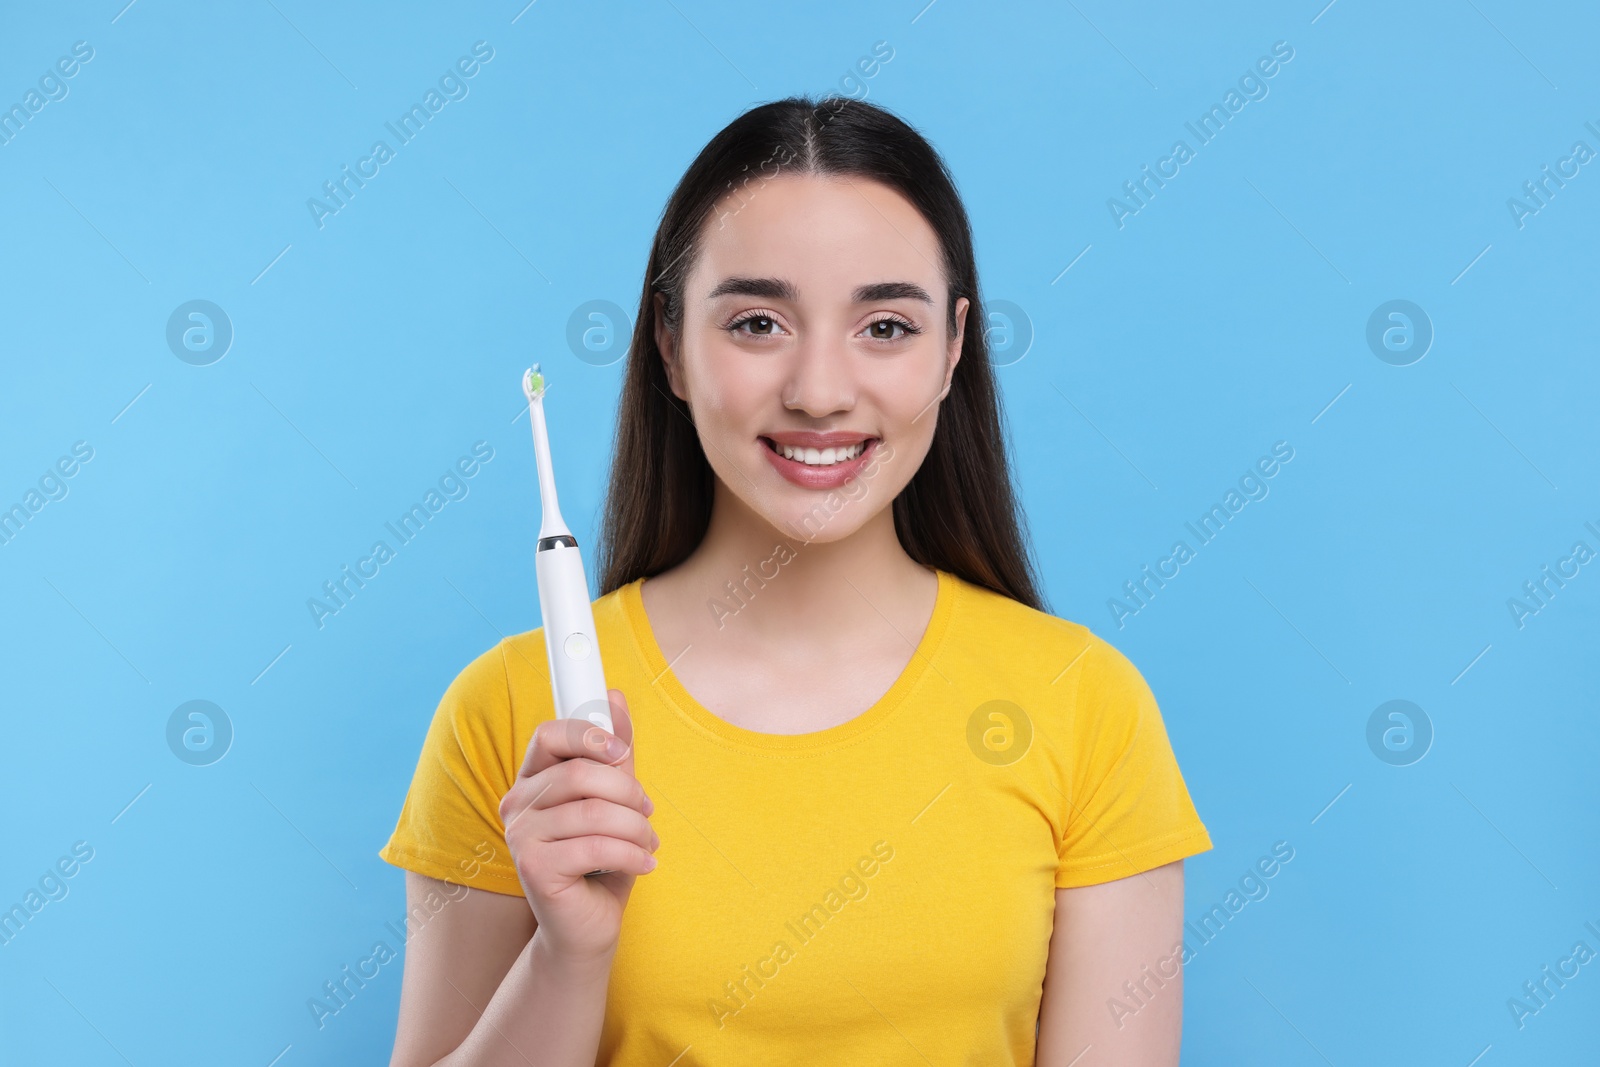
(533, 383)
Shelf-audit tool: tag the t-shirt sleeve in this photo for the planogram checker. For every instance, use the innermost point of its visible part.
(449, 826)
(1128, 809)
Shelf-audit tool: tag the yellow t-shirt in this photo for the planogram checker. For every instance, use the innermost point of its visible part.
(881, 891)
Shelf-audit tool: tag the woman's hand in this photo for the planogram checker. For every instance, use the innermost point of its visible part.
(577, 807)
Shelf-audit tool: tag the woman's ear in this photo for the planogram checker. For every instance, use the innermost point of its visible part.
(666, 343)
(953, 351)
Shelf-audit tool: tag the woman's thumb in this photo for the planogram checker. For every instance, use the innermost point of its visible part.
(622, 726)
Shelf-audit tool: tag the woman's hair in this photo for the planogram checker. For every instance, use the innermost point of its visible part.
(958, 512)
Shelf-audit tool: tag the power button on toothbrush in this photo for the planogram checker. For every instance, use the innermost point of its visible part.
(577, 646)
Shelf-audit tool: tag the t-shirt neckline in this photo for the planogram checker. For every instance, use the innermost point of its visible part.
(814, 742)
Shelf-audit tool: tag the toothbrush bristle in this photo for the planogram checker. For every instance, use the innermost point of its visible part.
(533, 382)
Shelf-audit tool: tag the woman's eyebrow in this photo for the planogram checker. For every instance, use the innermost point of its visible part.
(770, 288)
(782, 289)
(867, 294)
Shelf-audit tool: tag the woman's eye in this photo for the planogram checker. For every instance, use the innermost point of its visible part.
(766, 326)
(761, 325)
(883, 329)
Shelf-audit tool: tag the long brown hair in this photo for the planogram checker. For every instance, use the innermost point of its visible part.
(958, 513)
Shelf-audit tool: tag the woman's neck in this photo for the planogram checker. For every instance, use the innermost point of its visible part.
(796, 585)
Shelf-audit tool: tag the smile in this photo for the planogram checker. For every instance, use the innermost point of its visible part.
(821, 468)
(818, 457)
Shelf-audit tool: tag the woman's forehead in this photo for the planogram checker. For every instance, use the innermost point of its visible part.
(826, 236)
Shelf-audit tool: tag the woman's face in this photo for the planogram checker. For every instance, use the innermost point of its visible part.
(814, 349)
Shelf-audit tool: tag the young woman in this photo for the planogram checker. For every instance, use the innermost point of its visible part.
(905, 816)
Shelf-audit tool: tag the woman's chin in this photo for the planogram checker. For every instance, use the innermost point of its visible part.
(818, 519)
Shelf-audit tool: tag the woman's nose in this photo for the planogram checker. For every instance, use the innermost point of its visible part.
(821, 379)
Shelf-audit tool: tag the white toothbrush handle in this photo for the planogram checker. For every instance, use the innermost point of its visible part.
(577, 679)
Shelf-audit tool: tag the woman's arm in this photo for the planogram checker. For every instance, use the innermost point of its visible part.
(480, 991)
(1126, 931)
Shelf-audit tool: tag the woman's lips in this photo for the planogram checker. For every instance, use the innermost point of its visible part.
(809, 477)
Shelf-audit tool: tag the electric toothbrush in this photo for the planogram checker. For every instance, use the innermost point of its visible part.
(577, 680)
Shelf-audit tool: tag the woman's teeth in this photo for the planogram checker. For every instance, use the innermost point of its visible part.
(814, 457)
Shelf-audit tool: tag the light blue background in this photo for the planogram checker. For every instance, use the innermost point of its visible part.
(371, 353)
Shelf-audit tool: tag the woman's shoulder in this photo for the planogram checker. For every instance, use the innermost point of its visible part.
(1003, 630)
(482, 681)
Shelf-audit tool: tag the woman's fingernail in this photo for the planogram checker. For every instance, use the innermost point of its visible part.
(649, 806)
(616, 748)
